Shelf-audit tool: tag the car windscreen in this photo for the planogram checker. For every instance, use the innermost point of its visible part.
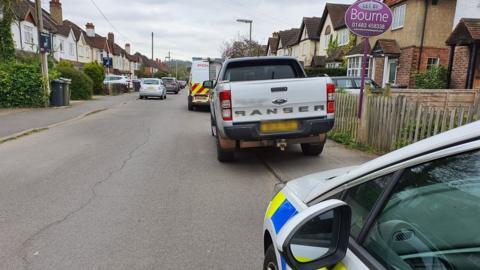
(262, 70)
(344, 83)
(169, 81)
(151, 82)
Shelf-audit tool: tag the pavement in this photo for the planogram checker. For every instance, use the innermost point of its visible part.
(14, 121)
(138, 186)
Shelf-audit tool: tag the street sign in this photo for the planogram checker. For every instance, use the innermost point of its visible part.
(107, 62)
(45, 43)
(368, 18)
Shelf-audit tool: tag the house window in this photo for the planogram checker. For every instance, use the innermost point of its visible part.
(28, 30)
(354, 66)
(333, 65)
(328, 34)
(399, 17)
(80, 51)
(343, 37)
(71, 49)
(433, 62)
(304, 49)
(61, 46)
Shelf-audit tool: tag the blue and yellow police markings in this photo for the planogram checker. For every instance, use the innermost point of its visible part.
(280, 211)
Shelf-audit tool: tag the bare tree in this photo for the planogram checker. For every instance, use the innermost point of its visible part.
(241, 48)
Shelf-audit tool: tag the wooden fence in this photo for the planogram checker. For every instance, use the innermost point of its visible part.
(392, 122)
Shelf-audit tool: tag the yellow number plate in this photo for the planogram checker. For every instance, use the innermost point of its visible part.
(278, 126)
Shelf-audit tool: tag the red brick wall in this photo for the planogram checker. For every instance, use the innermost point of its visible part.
(460, 68)
(407, 66)
(379, 67)
(441, 53)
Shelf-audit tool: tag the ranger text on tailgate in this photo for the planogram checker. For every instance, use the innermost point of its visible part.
(268, 101)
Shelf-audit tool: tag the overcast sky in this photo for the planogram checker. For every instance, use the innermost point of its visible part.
(189, 27)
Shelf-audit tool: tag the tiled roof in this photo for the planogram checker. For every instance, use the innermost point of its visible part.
(63, 30)
(77, 31)
(386, 47)
(337, 15)
(22, 7)
(337, 56)
(466, 32)
(313, 27)
(272, 44)
(97, 42)
(358, 49)
(289, 37)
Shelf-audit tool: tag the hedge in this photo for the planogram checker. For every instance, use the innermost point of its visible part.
(434, 78)
(82, 85)
(332, 72)
(96, 73)
(21, 85)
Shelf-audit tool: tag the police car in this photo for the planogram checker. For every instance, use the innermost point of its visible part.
(415, 208)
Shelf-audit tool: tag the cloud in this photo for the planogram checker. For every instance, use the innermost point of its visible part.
(189, 28)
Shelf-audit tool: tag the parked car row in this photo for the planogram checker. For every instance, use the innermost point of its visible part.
(158, 88)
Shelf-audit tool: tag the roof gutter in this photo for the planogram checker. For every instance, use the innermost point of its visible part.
(422, 41)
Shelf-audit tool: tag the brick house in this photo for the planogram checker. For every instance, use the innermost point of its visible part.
(464, 64)
(415, 42)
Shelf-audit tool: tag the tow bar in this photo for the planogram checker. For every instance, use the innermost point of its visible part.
(282, 144)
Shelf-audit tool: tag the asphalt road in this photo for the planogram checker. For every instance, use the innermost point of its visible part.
(139, 187)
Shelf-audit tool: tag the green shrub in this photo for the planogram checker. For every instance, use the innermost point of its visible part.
(434, 78)
(96, 73)
(81, 86)
(332, 72)
(21, 85)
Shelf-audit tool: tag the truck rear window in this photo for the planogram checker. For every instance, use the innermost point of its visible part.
(262, 70)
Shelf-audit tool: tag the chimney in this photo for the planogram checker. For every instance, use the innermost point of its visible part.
(56, 11)
(127, 48)
(111, 40)
(275, 35)
(90, 29)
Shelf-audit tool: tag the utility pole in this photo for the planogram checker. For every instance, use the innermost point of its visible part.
(176, 69)
(152, 46)
(43, 53)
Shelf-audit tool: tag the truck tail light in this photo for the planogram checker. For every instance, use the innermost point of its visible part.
(330, 98)
(226, 105)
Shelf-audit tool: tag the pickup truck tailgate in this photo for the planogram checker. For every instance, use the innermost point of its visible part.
(255, 101)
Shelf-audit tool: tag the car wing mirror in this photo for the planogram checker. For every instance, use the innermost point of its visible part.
(316, 237)
(208, 84)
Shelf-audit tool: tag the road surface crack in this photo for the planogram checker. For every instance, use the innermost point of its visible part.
(271, 170)
(27, 243)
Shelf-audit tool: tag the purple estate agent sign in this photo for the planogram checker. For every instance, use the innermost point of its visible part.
(368, 18)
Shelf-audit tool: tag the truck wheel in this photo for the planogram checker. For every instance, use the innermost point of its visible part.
(309, 149)
(213, 127)
(224, 155)
(190, 105)
(270, 261)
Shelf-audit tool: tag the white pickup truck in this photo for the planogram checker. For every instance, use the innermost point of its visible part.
(268, 101)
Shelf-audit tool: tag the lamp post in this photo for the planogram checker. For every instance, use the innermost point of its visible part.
(249, 22)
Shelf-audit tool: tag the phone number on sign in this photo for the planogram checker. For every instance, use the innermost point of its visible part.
(369, 25)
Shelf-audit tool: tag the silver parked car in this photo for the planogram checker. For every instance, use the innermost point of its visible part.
(351, 85)
(153, 88)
